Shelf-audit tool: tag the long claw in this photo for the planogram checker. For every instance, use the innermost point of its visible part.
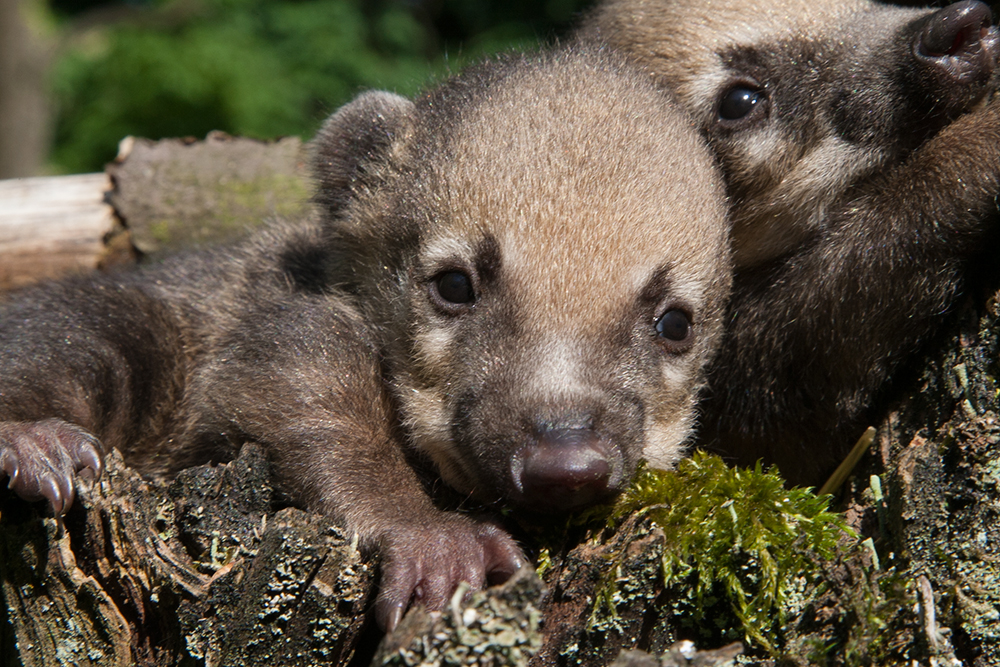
(43, 460)
(394, 616)
(50, 490)
(9, 464)
(90, 459)
(425, 565)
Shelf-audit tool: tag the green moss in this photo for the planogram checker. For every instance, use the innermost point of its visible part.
(734, 537)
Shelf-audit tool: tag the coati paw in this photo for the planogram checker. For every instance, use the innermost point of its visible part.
(43, 458)
(425, 564)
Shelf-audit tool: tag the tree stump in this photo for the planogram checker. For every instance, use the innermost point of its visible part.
(201, 571)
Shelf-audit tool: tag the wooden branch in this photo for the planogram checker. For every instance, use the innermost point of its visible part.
(158, 196)
(53, 226)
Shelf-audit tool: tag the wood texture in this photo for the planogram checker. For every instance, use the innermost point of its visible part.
(53, 226)
(175, 193)
(204, 571)
(157, 197)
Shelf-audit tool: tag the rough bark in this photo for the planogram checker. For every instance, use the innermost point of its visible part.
(938, 463)
(177, 193)
(203, 571)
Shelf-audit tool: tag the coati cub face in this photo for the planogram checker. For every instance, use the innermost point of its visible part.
(543, 247)
(801, 99)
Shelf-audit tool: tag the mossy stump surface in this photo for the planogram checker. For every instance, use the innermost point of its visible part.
(175, 193)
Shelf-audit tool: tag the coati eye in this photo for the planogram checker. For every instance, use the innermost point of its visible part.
(739, 101)
(674, 326)
(453, 288)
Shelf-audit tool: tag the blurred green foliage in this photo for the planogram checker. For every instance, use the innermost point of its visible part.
(260, 68)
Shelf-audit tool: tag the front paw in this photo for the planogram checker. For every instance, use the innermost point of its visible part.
(424, 564)
(42, 460)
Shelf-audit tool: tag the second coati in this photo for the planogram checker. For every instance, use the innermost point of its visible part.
(861, 151)
(519, 276)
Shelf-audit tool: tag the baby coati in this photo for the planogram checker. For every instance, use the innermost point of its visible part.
(518, 277)
(861, 152)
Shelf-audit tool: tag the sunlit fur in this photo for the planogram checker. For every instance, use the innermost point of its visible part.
(573, 182)
(781, 179)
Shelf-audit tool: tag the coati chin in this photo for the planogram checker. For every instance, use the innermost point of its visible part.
(860, 144)
(518, 276)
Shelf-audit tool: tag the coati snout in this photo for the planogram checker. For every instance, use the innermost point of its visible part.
(943, 65)
(516, 280)
(859, 146)
(960, 44)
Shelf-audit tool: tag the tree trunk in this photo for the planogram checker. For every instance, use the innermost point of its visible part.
(24, 103)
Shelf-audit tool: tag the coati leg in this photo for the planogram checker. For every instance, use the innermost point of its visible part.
(310, 389)
(86, 365)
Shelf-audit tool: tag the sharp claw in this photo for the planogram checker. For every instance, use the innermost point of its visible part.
(394, 617)
(68, 493)
(90, 459)
(50, 489)
(9, 464)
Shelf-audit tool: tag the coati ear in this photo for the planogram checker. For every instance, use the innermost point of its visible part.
(355, 142)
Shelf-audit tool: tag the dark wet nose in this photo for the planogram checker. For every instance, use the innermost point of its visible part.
(566, 469)
(960, 41)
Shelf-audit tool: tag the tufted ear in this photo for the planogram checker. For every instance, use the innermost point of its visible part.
(354, 142)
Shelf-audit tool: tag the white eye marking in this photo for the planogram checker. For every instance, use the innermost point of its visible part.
(675, 373)
(761, 146)
(432, 347)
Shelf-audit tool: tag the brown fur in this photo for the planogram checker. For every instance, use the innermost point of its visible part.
(571, 198)
(860, 185)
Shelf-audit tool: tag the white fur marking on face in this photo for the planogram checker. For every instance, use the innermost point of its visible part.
(825, 171)
(444, 249)
(557, 368)
(433, 346)
(429, 422)
(666, 440)
(675, 374)
(701, 91)
(763, 147)
(688, 289)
